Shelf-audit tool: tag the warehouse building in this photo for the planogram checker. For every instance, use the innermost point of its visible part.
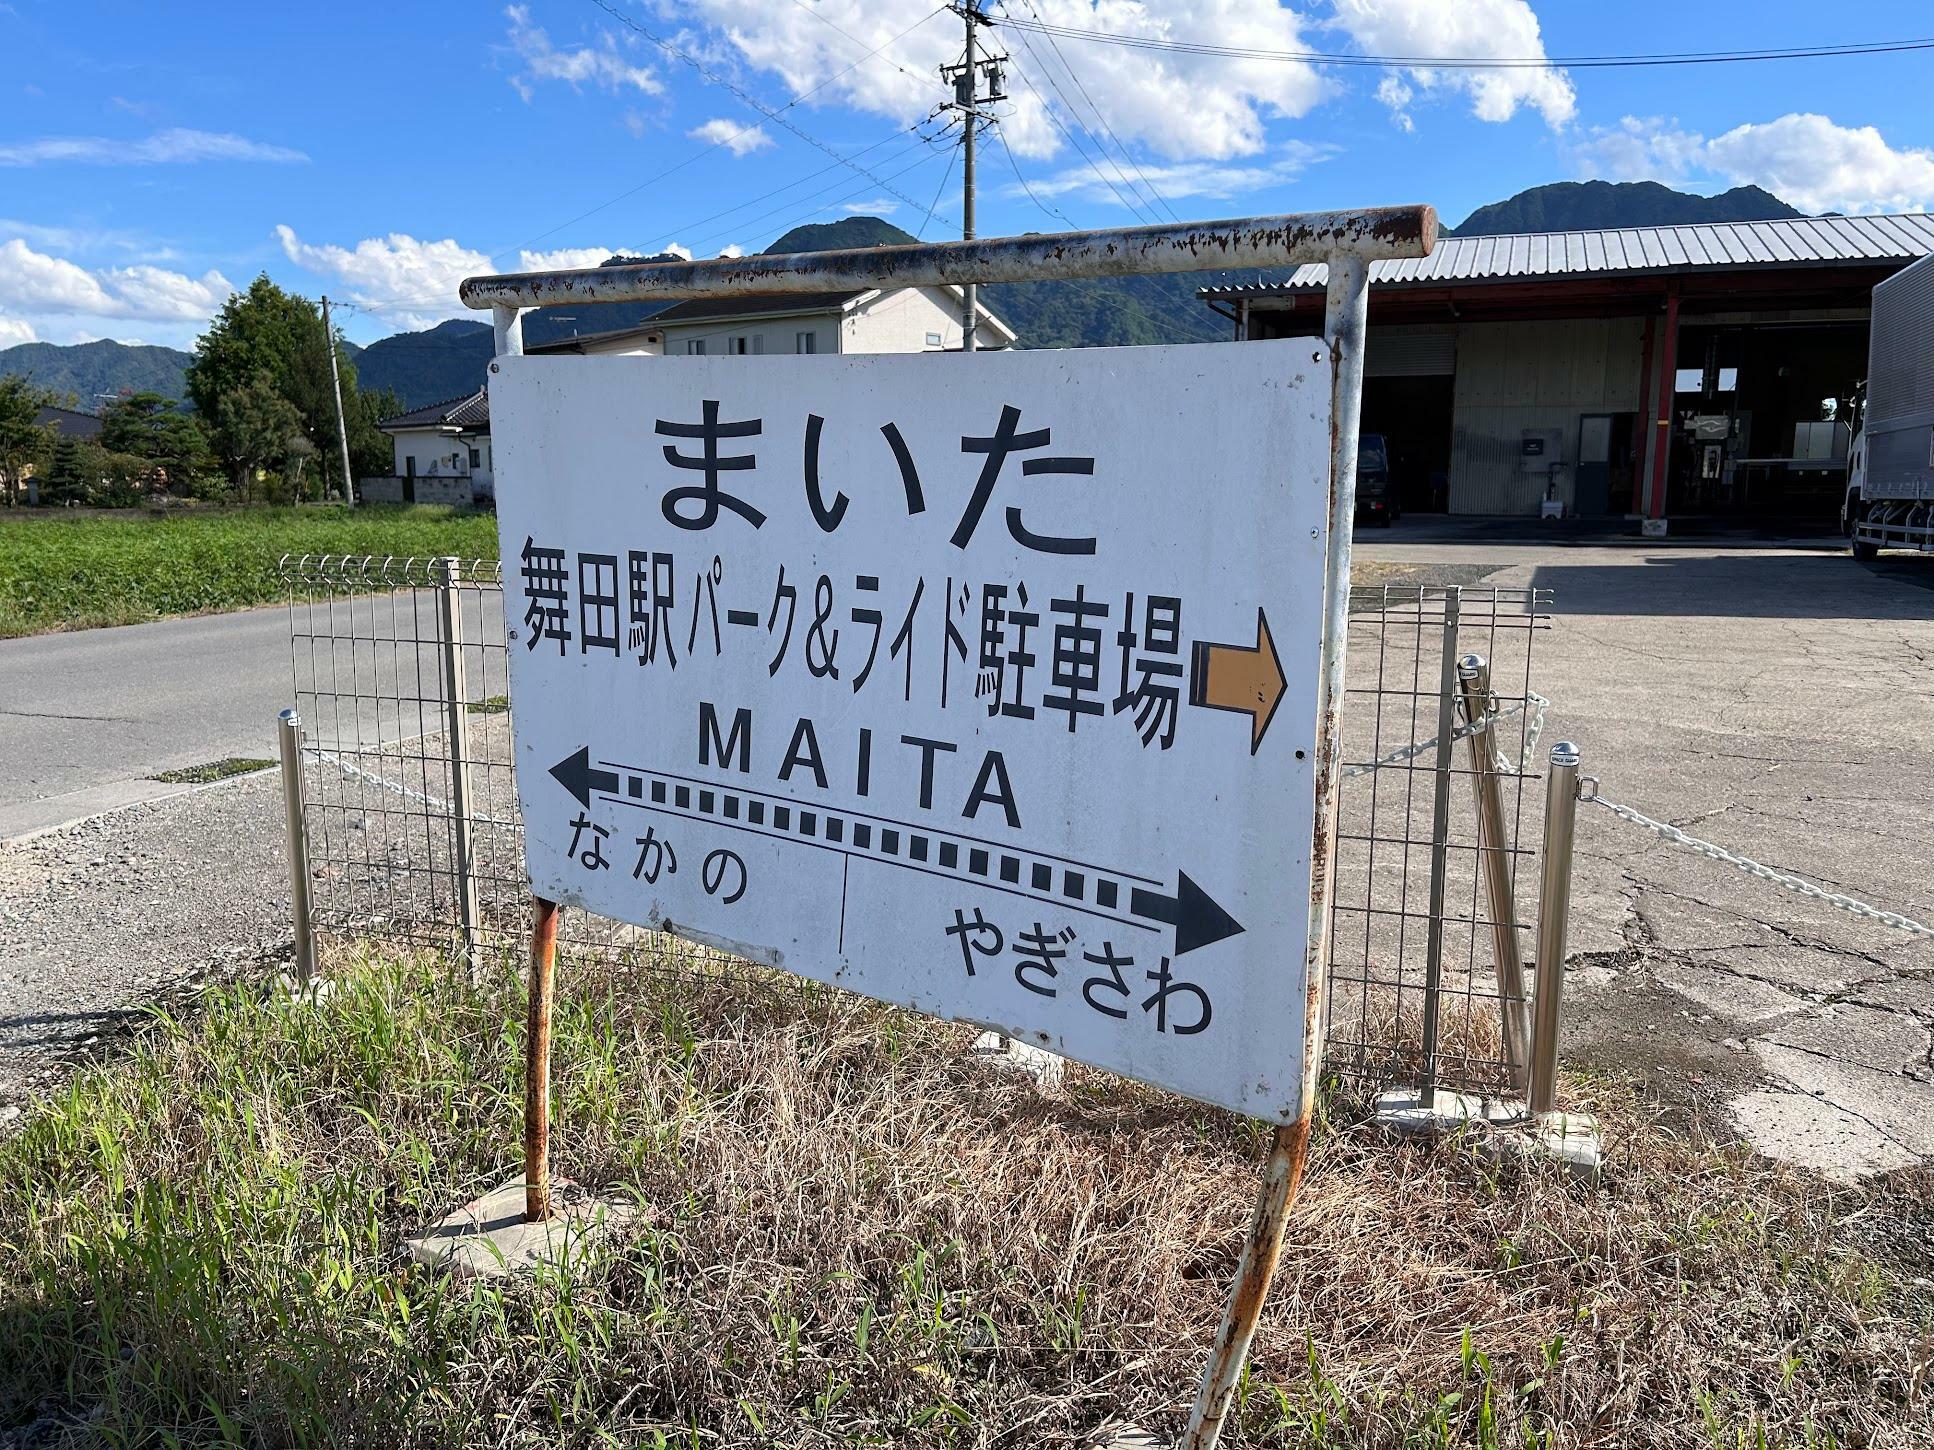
(1694, 373)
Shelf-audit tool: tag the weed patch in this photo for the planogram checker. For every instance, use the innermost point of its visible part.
(858, 1236)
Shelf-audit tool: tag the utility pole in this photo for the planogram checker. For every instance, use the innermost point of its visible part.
(342, 428)
(966, 79)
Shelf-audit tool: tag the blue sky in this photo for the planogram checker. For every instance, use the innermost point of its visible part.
(152, 156)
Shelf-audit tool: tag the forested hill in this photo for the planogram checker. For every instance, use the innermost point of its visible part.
(96, 371)
(1585, 206)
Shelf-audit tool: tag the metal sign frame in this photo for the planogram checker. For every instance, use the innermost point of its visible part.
(1347, 241)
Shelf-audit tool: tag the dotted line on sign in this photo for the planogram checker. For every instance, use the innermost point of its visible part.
(896, 844)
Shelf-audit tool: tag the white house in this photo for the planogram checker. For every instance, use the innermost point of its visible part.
(893, 319)
(442, 454)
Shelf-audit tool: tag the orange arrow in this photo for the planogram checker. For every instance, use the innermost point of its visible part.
(1245, 678)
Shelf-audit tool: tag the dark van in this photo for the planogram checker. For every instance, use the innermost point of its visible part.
(1376, 496)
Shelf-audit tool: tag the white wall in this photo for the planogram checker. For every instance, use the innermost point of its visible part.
(448, 489)
(775, 335)
(1517, 375)
(625, 347)
(433, 450)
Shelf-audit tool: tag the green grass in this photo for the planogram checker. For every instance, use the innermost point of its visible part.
(211, 772)
(855, 1236)
(77, 572)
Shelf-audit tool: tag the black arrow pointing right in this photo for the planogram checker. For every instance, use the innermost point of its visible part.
(576, 775)
(1198, 920)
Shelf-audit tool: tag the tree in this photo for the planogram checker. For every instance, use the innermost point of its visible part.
(371, 452)
(268, 335)
(23, 443)
(253, 425)
(153, 428)
(67, 480)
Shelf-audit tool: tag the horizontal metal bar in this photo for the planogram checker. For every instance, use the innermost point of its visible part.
(1277, 241)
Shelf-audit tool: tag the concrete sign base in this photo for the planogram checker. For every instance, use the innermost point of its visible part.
(489, 1236)
(1504, 1129)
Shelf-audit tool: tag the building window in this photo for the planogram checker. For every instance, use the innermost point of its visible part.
(695, 347)
(759, 345)
(476, 458)
(933, 339)
(736, 346)
(805, 342)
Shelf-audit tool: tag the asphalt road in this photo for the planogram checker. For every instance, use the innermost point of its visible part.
(87, 718)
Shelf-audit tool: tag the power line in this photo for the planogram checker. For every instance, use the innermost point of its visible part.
(776, 116)
(945, 177)
(1141, 213)
(1433, 62)
(1075, 76)
(1053, 211)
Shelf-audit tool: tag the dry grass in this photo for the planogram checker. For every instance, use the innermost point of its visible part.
(861, 1236)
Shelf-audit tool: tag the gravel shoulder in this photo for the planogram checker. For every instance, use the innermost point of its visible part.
(101, 918)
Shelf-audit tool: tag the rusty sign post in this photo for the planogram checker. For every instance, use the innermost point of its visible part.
(849, 842)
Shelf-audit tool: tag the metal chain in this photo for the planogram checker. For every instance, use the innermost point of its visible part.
(1537, 704)
(1797, 884)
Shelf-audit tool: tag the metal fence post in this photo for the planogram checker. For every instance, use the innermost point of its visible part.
(1554, 912)
(1439, 851)
(1474, 676)
(457, 707)
(537, 1062)
(288, 735)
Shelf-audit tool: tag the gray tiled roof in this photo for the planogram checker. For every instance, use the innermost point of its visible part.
(470, 411)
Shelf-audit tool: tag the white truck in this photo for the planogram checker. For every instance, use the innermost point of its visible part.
(1890, 463)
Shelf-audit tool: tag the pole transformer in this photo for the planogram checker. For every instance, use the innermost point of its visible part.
(968, 78)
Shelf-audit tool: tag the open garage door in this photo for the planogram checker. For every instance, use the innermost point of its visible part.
(1409, 375)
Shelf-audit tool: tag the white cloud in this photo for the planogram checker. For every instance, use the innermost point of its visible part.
(1179, 106)
(38, 284)
(566, 259)
(735, 136)
(1466, 30)
(410, 281)
(413, 281)
(16, 330)
(1106, 183)
(676, 249)
(1817, 166)
(178, 146)
(732, 249)
(878, 206)
(1640, 148)
(604, 65)
(1802, 158)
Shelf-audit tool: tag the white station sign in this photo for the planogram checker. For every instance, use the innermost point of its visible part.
(986, 686)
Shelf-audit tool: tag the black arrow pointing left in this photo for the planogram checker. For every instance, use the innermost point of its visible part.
(575, 774)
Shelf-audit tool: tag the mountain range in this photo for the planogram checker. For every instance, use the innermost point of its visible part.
(448, 360)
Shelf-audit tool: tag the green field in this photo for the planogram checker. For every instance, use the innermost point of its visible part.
(78, 572)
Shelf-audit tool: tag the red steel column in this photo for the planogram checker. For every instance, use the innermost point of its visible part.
(1644, 415)
(1662, 425)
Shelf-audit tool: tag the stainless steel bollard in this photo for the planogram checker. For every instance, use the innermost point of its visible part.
(457, 727)
(1493, 849)
(1554, 913)
(289, 741)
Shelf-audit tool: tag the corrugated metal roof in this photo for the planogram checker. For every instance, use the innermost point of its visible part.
(1796, 242)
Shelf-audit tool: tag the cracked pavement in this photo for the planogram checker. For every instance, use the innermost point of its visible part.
(1775, 701)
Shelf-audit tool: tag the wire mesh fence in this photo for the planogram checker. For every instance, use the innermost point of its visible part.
(400, 675)
(1430, 904)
